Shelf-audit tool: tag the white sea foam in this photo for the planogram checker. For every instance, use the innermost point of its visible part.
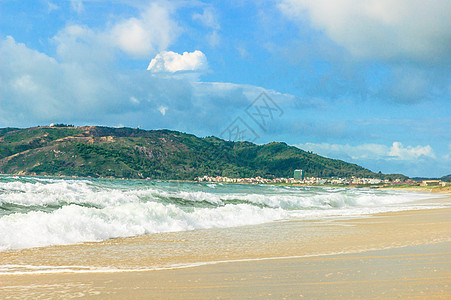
(74, 224)
(60, 211)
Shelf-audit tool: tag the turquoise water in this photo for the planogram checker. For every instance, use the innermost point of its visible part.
(37, 212)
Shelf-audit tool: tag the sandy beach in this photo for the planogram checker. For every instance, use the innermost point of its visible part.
(176, 149)
(403, 254)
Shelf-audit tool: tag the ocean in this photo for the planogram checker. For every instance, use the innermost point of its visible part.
(38, 212)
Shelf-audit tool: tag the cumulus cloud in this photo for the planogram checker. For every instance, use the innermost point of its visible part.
(398, 151)
(152, 31)
(81, 45)
(411, 160)
(22, 80)
(36, 88)
(83, 83)
(354, 152)
(371, 151)
(168, 61)
(383, 29)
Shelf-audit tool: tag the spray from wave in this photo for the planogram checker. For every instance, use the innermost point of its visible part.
(37, 212)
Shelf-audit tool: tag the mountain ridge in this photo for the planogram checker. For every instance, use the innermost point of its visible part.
(97, 151)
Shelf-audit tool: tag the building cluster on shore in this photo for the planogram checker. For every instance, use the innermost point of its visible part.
(300, 179)
(307, 180)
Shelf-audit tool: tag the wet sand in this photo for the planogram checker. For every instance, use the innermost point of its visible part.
(402, 254)
(421, 272)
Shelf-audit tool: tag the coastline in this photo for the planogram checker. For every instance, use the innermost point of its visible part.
(412, 188)
(427, 189)
(271, 259)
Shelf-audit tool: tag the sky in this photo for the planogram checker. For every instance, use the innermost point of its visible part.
(365, 81)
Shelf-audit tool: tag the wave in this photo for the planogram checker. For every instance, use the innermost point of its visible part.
(41, 212)
(74, 224)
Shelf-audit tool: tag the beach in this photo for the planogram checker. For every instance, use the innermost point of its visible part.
(289, 149)
(404, 254)
(418, 272)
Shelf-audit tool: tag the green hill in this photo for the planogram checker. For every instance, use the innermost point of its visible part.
(158, 154)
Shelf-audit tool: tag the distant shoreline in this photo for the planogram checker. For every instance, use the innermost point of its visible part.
(412, 188)
(428, 189)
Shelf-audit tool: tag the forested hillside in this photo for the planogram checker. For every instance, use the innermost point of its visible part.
(157, 154)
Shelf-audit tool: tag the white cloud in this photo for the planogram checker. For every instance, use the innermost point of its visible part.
(82, 45)
(51, 7)
(163, 109)
(242, 51)
(363, 151)
(384, 29)
(209, 19)
(152, 31)
(409, 160)
(38, 89)
(134, 100)
(214, 39)
(398, 151)
(371, 151)
(77, 5)
(24, 79)
(168, 61)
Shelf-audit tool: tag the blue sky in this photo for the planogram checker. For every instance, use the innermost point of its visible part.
(364, 81)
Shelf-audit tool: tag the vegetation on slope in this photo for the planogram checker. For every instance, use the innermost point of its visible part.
(158, 154)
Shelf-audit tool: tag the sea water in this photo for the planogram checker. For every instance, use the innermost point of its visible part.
(37, 212)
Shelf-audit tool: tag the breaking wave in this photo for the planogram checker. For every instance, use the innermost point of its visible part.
(37, 212)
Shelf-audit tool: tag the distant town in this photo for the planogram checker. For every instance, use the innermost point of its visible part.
(300, 178)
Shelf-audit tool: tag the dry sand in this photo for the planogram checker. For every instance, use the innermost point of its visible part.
(391, 255)
(415, 188)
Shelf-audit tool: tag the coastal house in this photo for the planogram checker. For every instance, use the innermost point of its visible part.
(430, 183)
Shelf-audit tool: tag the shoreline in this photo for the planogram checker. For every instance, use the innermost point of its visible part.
(446, 190)
(216, 262)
